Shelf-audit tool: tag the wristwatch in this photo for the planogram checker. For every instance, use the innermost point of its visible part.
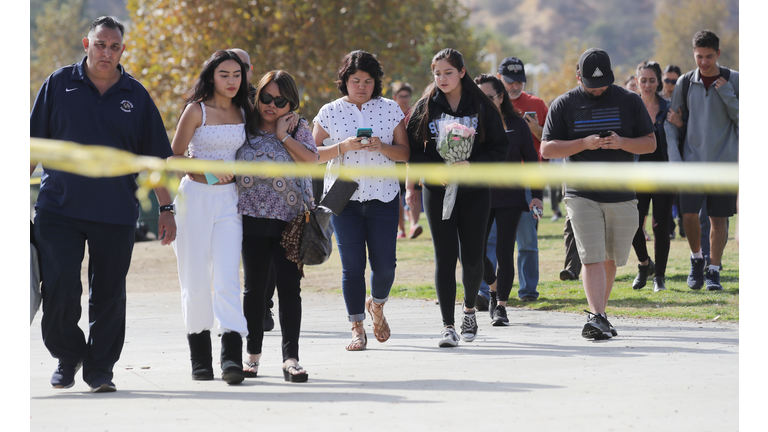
(169, 208)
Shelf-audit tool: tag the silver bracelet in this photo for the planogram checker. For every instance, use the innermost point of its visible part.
(282, 141)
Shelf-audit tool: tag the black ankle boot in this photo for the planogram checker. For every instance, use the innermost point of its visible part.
(200, 355)
(232, 358)
(643, 272)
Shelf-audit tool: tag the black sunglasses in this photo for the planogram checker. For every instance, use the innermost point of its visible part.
(267, 99)
(670, 81)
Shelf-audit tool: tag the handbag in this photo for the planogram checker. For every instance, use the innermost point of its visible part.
(307, 237)
(339, 194)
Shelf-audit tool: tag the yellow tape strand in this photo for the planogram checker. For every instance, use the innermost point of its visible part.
(98, 161)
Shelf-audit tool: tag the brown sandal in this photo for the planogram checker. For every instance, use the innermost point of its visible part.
(380, 325)
(359, 338)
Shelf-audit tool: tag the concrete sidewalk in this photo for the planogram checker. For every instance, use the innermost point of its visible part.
(537, 374)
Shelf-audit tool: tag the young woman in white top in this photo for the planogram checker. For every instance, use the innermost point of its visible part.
(207, 246)
(369, 220)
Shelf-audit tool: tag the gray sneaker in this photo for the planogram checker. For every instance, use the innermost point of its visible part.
(469, 327)
(597, 327)
(449, 338)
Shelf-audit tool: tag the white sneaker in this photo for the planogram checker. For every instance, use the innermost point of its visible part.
(449, 338)
(469, 327)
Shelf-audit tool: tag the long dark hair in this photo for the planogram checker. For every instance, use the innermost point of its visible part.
(507, 109)
(656, 68)
(203, 88)
(455, 59)
(288, 90)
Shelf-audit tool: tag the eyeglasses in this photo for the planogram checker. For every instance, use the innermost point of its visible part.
(492, 97)
(267, 99)
(670, 81)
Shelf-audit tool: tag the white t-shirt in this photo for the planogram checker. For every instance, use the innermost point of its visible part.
(341, 120)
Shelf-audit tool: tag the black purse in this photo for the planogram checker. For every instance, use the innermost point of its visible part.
(307, 237)
(339, 194)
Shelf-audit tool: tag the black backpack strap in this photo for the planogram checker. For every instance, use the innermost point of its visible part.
(687, 78)
(725, 73)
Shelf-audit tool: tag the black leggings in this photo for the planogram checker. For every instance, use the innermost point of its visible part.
(259, 254)
(507, 220)
(662, 209)
(462, 237)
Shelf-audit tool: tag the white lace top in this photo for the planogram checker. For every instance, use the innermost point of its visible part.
(216, 142)
(341, 120)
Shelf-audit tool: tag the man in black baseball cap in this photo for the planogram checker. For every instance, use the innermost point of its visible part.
(599, 121)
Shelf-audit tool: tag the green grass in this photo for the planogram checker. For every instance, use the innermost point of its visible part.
(677, 302)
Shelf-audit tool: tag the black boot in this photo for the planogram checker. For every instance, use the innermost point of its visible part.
(232, 358)
(200, 355)
(643, 272)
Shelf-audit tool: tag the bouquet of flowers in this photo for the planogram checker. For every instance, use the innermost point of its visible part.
(454, 143)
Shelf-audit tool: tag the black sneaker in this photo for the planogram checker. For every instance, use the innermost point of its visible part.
(469, 327)
(481, 303)
(102, 384)
(269, 321)
(610, 326)
(597, 327)
(499, 316)
(696, 277)
(449, 338)
(643, 273)
(493, 303)
(566, 275)
(64, 375)
(713, 280)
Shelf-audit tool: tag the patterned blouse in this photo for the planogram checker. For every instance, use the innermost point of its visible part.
(274, 197)
(341, 119)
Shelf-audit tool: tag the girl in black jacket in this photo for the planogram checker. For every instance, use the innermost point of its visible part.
(508, 205)
(454, 93)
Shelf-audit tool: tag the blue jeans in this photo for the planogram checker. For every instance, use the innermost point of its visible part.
(372, 224)
(485, 290)
(527, 253)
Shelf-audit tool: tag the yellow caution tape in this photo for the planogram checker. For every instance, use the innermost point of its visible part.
(98, 161)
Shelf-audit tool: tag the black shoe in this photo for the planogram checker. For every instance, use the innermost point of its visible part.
(102, 384)
(658, 283)
(643, 272)
(499, 317)
(696, 277)
(469, 327)
(566, 274)
(269, 321)
(597, 327)
(200, 355)
(493, 303)
(610, 326)
(481, 303)
(713, 281)
(64, 375)
(528, 298)
(231, 358)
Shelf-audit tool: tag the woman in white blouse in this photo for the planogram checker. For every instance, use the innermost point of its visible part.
(370, 218)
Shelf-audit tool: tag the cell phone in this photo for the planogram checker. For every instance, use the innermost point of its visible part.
(537, 213)
(364, 132)
(530, 114)
(605, 134)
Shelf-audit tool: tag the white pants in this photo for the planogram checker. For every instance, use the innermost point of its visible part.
(208, 241)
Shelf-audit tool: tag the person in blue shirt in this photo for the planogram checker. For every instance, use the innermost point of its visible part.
(94, 102)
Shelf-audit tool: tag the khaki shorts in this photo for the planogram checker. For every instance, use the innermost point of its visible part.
(603, 231)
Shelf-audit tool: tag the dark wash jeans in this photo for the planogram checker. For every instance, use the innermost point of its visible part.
(371, 224)
(61, 242)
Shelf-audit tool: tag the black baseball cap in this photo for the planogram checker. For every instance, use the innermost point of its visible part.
(595, 68)
(512, 70)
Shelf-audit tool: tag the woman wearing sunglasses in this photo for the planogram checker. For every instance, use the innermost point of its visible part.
(212, 127)
(508, 205)
(275, 135)
(369, 220)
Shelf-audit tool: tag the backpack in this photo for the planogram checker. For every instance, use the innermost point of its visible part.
(687, 78)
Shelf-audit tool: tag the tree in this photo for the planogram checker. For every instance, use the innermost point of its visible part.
(170, 41)
(679, 20)
(59, 31)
